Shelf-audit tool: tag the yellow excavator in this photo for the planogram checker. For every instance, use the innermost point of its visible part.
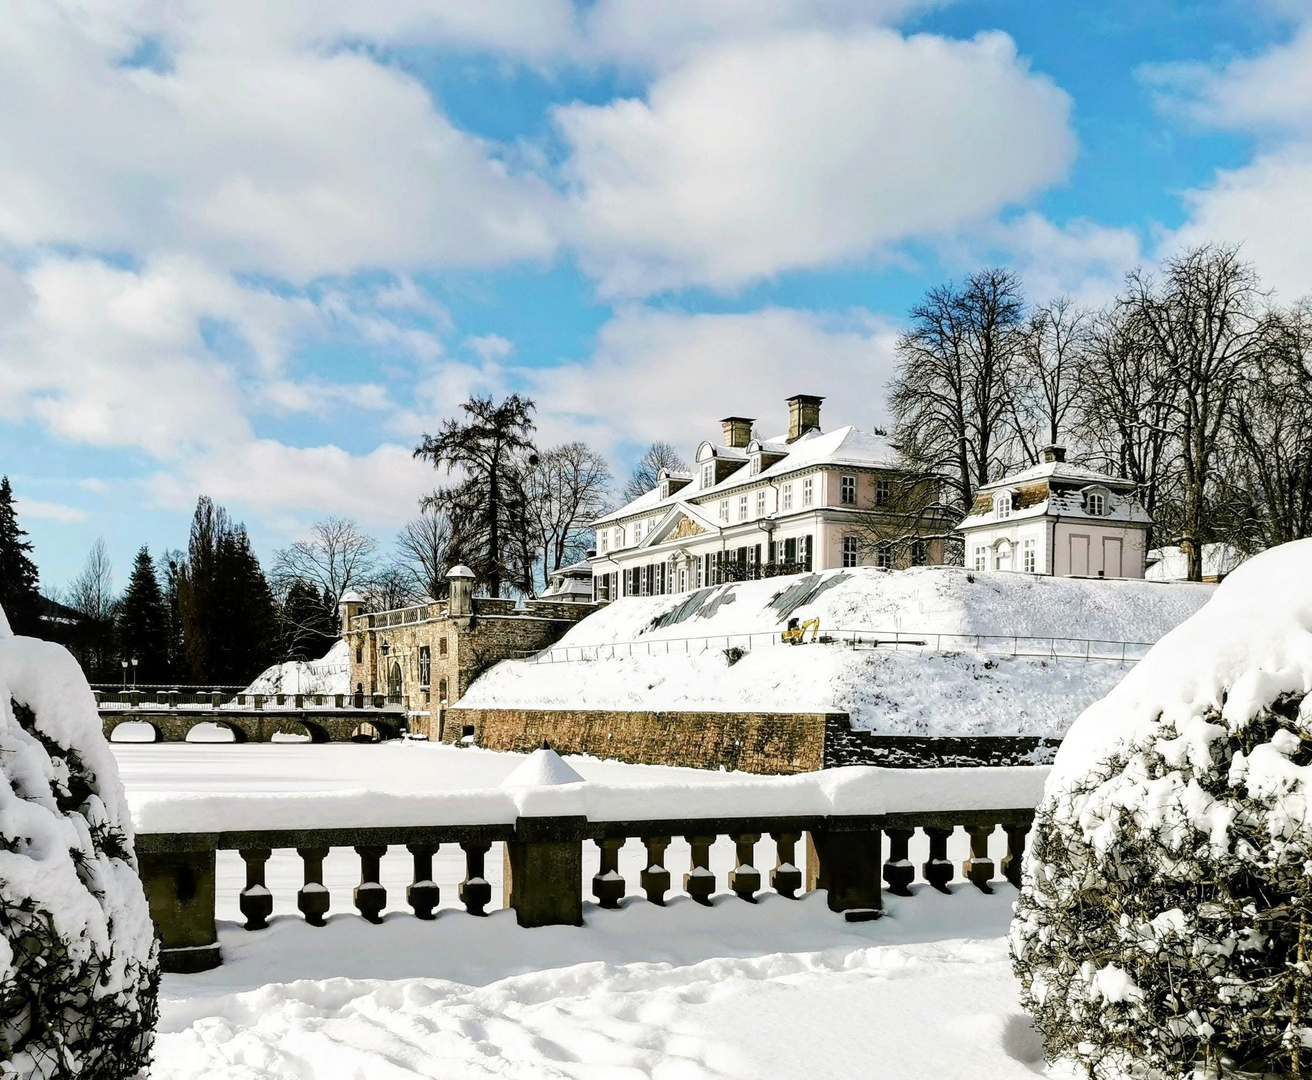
(796, 632)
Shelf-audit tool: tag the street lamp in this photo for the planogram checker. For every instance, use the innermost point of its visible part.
(125, 674)
(134, 672)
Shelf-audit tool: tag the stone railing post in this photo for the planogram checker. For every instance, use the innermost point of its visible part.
(544, 871)
(300, 701)
(255, 901)
(258, 701)
(216, 700)
(899, 872)
(654, 878)
(937, 869)
(474, 891)
(177, 873)
(337, 700)
(786, 878)
(1011, 862)
(844, 858)
(608, 884)
(134, 699)
(978, 869)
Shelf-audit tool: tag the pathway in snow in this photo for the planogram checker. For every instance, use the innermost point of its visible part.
(779, 989)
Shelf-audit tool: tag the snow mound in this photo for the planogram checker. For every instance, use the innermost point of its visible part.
(1251, 642)
(78, 972)
(668, 653)
(330, 674)
(543, 767)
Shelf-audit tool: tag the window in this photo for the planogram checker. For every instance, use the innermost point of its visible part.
(756, 464)
(425, 668)
(637, 532)
(619, 537)
(760, 503)
(919, 553)
(1029, 556)
(602, 537)
(981, 558)
(884, 555)
(788, 497)
(883, 492)
(849, 551)
(808, 492)
(1094, 504)
(708, 475)
(1002, 557)
(359, 654)
(742, 507)
(724, 509)
(1002, 505)
(441, 691)
(848, 488)
(441, 647)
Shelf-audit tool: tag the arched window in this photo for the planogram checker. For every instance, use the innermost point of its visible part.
(441, 690)
(394, 683)
(1002, 505)
(1095, 504)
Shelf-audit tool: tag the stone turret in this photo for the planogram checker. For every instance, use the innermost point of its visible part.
(460, 605)
(349, 606)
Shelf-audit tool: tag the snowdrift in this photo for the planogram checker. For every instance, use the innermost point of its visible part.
(950, 686)
(330, 674)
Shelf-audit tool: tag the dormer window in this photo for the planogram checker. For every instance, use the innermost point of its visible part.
(708, 475)
(1095, 504)
(756, 464)
(1002, 505)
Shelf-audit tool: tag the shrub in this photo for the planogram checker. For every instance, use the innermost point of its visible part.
(78, 969)
(1165, 916)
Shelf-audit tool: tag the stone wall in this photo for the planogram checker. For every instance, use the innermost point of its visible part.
(769, 743)
(751, 742)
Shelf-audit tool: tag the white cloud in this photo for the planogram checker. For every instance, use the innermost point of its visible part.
(672, 375)
(1262, 205)
(802, 150)
(33, 508)
(260, 145)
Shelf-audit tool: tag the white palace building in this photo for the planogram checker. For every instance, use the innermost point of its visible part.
(753, 507)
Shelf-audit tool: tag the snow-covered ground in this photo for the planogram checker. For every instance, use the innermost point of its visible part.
(670, 650)
(330, 674)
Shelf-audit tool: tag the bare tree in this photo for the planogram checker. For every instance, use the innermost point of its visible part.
(1206, 320)
(658, 456)
(1126, 405)
(1046, 386)
(390, 588)
(91, 595)
(953, 388)
(422, 549)
(336, 556)
(567, 490)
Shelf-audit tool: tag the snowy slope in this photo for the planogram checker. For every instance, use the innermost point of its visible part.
(331, 674)
(950, 686)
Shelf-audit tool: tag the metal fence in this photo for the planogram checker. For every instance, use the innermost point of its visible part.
(1005, 645)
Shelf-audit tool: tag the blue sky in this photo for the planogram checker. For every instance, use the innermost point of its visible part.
(255, 254)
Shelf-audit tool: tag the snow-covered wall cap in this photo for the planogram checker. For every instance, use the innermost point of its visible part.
(543, 767)
(4, 625)
(461, 571)
(1250, 643)
(350, 597)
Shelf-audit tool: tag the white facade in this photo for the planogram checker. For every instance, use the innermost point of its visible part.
(1057, 519)
(756, 507)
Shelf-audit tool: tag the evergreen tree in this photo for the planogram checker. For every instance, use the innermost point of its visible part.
(491, 446)
(143, 622)
(19, 595)
(226, 608)
(309, 624)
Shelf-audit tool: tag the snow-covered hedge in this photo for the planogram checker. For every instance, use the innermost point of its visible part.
(1165, 917)
(78, 970)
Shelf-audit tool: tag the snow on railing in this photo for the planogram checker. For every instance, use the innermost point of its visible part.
(1007, 645)
(843, 815)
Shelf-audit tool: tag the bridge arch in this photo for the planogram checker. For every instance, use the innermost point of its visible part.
(374, 730)
(211, 731)
(298, 729)
(133, 729)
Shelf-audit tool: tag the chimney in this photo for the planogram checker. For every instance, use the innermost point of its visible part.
(803, 415)
(737, 431)
(1053, 452)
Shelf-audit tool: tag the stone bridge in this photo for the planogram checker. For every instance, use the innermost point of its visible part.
(248, 725)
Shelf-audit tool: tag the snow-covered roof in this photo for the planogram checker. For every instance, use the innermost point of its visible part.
(1170, 564)
(1060, 471)
(843, 446)
(351, 597)
(1067, 504)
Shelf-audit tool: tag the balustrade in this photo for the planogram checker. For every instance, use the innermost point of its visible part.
(544, 880)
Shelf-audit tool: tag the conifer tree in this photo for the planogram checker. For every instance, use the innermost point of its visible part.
(143, 622)
(309, 625)
(19, 595)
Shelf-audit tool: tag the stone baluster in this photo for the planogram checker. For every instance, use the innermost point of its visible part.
(423, 895)
(899, 872)
(744, 878)
(474, 892)
(786, 877)
(937, 869)
(255, 901)
(1011, 862)
(655, 879)
(978, 869)
(699, 882)
(370, 895)
(312, 897)
(608, 884)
